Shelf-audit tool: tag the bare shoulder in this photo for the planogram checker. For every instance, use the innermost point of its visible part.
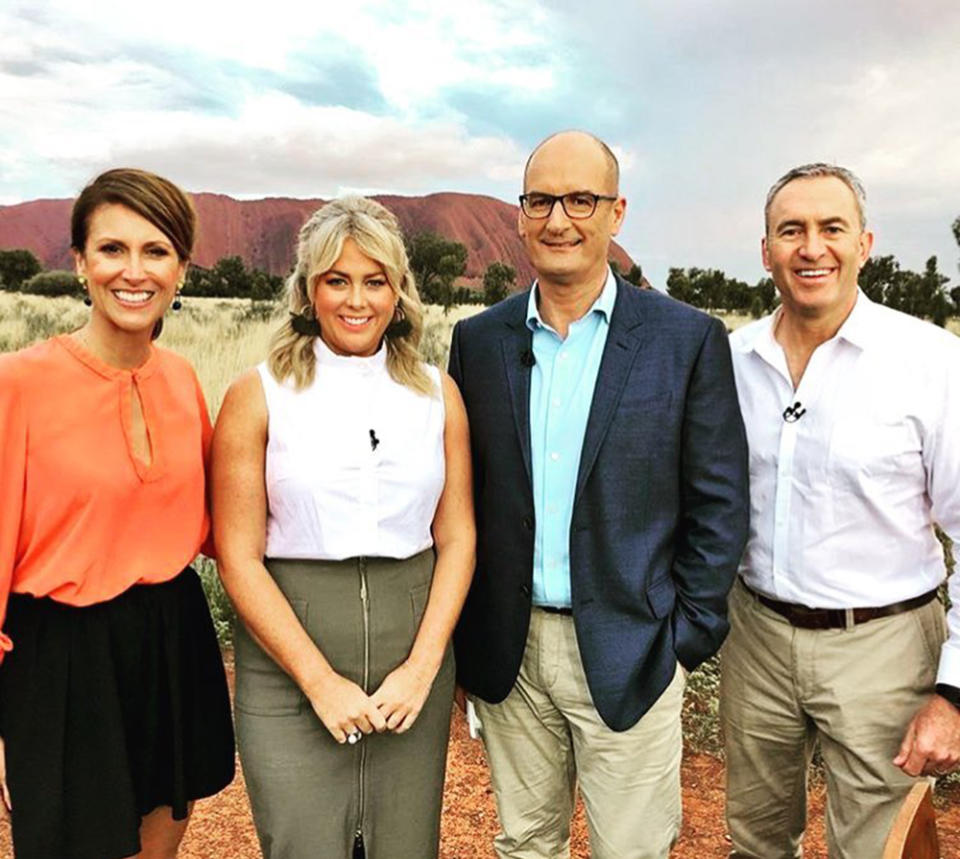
(456, 412)
(451, 393)
(244, 403)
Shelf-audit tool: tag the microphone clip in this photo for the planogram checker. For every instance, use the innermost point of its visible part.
(791, 414)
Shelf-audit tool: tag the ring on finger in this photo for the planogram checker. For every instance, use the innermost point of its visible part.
(354, 737)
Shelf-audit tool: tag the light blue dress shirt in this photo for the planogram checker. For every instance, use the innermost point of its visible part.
(561, 391)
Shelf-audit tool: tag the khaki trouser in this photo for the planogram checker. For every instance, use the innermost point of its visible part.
(854, 689)
(547, 734)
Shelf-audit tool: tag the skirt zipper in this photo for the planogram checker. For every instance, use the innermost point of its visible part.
(359, 850)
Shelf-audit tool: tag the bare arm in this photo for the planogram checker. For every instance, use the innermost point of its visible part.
(239, 520)
(403, 692)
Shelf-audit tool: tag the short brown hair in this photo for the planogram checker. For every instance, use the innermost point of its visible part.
(152, 197)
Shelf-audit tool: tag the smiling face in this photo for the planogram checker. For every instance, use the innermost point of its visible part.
(132, 270)
(565, 251)
(354, 302)
(815, 247)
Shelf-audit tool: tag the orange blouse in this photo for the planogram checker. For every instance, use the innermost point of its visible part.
(81, 517)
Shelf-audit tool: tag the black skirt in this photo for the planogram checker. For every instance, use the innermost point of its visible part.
(108, 712)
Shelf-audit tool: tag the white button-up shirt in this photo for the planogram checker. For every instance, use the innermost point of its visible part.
(843, 500)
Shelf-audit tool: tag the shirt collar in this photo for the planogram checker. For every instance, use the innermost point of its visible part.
(856, 328)
(326, 357)
(603, 305)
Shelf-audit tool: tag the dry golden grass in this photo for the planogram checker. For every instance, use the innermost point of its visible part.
(221, 337)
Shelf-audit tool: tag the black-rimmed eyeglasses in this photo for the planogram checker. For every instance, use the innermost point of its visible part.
(578, 205)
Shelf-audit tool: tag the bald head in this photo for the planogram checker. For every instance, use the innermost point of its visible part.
(579, 145)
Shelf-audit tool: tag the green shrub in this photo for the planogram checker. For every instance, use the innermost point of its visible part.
(701, 712)
(56, 282)
(221, 609)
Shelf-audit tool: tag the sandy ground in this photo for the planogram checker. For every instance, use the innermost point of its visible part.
(221, 826)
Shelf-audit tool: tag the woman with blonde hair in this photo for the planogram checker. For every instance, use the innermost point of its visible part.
(344, 520)
(114, 714)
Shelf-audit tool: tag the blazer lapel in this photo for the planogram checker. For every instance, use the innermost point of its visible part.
(515, 346)
(619, 353)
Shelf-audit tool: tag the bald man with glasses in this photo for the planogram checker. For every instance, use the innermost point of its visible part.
(610, 479)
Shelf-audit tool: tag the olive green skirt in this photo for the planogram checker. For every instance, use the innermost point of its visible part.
(311, 796)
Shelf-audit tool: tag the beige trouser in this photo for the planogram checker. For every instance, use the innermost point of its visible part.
(547, 735)
(855, 690)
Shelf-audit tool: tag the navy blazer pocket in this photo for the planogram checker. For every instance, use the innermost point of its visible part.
(661, 596)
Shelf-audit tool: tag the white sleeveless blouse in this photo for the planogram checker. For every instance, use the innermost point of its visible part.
(354, 462)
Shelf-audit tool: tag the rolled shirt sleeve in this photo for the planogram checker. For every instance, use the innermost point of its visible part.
(941, 458)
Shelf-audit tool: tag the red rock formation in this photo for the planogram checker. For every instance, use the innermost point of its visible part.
(263, 232)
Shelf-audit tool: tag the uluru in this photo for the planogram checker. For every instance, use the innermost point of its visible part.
(263, 232)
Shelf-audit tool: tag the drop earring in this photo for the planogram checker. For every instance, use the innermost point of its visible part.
(400, 326)
(82, 280)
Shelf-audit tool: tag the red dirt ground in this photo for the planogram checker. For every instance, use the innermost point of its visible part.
(221, 826)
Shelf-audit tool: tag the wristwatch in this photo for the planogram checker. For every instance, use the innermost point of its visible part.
(951, 693)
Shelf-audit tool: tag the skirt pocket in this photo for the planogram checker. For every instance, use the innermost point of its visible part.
(263, 687)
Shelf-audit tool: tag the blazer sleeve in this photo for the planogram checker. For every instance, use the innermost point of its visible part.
(13, 474)
(714, 497)
(454, 367)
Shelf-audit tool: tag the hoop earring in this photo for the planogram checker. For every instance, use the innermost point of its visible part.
(400, 326)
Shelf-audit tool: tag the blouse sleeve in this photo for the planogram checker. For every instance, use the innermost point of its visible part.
(13, 470)
(206, 434)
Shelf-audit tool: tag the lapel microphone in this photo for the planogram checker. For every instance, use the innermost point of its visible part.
(791, 414)
(374, 441)
(527, 358)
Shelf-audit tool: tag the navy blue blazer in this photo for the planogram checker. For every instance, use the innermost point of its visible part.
(661, 508)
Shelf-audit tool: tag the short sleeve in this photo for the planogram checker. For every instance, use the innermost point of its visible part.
(13, 468)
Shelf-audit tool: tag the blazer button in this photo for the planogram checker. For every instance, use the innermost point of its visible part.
(525, 590)
(528, 522)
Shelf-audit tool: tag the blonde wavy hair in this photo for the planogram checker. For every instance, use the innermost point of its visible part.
(377, 233)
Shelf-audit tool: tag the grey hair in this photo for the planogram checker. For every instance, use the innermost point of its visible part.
(813, 171)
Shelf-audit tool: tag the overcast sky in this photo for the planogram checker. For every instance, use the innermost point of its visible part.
(706, 102)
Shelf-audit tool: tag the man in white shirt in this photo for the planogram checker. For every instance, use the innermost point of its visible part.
(852, 413)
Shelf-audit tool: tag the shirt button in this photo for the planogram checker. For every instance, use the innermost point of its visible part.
(528, 523)
(554, 456)
(525, 590)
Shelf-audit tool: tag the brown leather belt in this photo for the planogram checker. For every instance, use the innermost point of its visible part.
(836, 618)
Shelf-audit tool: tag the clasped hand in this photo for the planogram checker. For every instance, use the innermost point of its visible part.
(344, 707)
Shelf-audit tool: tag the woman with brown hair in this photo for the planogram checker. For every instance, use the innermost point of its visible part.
(114, 713)
(344, 519)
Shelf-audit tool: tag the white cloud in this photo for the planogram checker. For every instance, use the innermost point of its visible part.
(275, 145)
